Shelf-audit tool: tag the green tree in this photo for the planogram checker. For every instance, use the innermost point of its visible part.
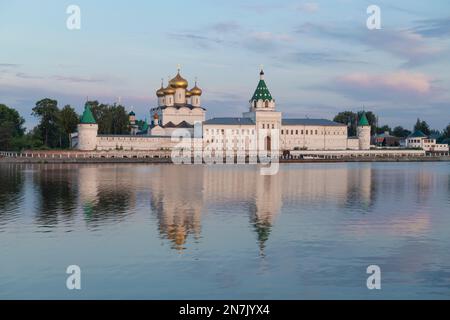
(48, 113)
(11, 127)
(384, 129)
(111, 119)
(446, 132)
(422, 126)
(69, 120)
(400, 132)
(351, 120)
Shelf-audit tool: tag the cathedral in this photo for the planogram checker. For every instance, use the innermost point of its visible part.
(181, 108)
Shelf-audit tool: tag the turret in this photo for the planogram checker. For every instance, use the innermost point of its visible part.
(169, 96)
(87, 131)
(196, 94)
(132, 118)
(363, 132)
(262, 99)
(160, 95)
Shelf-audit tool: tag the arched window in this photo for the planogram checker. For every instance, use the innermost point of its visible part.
(266, 104)
(254, 104)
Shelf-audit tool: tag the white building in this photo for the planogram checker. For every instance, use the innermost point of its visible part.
(418, 140)
(262, 127)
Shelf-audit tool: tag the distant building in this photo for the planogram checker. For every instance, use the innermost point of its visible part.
(386, 140)
(419, 140)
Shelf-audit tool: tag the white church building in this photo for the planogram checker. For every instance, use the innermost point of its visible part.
(261, 127)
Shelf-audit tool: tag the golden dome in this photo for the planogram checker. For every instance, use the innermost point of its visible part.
(169, 91)
(160, 91)
(188, 94)
(178, 82)
(196, 91)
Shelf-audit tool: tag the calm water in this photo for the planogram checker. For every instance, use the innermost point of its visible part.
(187, 232)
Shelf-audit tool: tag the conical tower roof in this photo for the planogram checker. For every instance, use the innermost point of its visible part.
(262, 92)
(87, 117)
(363, 120)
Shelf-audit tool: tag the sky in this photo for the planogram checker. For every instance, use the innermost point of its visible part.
(319, 57)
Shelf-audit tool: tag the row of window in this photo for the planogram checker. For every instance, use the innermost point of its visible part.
(310, 132)
(233, 131)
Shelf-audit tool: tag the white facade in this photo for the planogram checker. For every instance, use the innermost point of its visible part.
(419, 141)
(261, 128)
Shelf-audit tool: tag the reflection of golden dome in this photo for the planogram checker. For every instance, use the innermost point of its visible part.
(169, 90)
(188, 94)
(196, 91)
(178, 82)
(160, 92)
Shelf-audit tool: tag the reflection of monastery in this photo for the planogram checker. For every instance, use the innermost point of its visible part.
(236, 189)
(181, 108)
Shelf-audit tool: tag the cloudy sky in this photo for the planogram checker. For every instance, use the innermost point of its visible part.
(319, 56)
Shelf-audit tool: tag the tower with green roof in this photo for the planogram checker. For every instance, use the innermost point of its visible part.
(262, 98)
(363, 132)
(266, 118)
(87, 130)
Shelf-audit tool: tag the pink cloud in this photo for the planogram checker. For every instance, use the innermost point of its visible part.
(397, 82)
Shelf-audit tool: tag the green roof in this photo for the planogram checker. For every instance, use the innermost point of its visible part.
(363, 120)
(262, 92)
(145, 126)
(132, 113)
(87, 117)
(417, 134)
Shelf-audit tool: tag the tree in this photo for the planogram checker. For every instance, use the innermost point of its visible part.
(400, 132)
(11, 127)
(446, 132)
(48, 113)
(111, 119)
(69, 120)
(351, 120)
(384, 129)
(422, 126)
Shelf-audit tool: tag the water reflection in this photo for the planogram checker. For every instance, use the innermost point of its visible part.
(11, 191)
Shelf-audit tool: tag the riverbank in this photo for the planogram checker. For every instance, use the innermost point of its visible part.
(165, 156)
(169, 160)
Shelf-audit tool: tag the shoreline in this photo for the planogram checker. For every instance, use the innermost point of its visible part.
(8, 160)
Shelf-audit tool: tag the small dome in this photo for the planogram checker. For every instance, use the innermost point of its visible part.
(178, 82)
(188, 94)
(169, 91)
(160, 92)
(132, 114)
(196, 91)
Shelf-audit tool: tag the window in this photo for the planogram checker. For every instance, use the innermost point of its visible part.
(267, 104)
(316, 131)
(292, 131)
(273, 126)
(254, 104)
(263, 126)
(296, 131)
(302, 131)
(282, 131)
(306, 132)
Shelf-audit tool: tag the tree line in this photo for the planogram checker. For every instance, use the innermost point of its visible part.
(55, 125)
(351, 120)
